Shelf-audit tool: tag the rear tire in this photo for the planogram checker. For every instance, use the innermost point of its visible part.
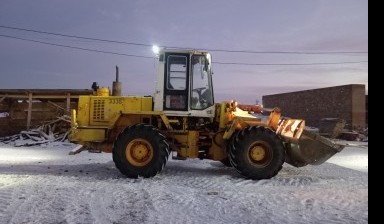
(140, 150)
(256, 153)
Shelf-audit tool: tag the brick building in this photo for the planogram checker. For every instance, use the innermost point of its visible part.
(346, 102)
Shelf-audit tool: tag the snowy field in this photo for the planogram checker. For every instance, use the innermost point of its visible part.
(46, 185)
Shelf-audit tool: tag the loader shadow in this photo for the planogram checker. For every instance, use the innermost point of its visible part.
(100, 171)
(105, 171)
(198, 169)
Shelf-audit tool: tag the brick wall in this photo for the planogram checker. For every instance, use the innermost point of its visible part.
(346, 102)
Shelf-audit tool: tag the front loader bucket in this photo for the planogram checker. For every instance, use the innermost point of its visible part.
(311, 148)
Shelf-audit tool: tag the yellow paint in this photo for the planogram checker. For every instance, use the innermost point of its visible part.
(83, 111)
(139, 152)
(291, 129)
(103, 91)
(187, 143)
(83, 135)
(274, 118)
(257, 153)
(73, 118)
(217, 151)
(105, 110)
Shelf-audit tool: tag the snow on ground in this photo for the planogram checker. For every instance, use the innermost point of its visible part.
(46, 185)
(4, 114)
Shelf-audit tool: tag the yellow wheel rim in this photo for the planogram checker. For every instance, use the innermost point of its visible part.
(257, 153)
(139, 152)
(260, 153)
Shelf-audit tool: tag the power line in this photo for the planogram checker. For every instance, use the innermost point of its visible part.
(286, 52)
(215, 62)
(74, 36)
(78, 48)
(283, 64)
(207, 49)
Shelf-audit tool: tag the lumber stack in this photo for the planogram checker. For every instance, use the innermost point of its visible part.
(50, 131)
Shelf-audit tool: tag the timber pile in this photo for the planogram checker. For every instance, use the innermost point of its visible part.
(51, 131)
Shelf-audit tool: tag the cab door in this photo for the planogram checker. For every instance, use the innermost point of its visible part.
(176, 81)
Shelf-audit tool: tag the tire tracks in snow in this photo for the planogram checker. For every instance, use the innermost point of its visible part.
(304, 185)
(192, 183)
(126, 204)
(73, 200)
(10, 197)
(32, 202)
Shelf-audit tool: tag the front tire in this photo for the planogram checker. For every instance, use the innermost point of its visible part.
(226, 162)
(257, 153)
(140, 150)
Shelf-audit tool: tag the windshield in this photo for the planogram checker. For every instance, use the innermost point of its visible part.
(202, 94)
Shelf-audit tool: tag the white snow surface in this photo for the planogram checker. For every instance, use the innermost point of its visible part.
(43, 184)
(4, 114)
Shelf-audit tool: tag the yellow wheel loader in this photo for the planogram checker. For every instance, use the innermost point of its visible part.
(182, 119)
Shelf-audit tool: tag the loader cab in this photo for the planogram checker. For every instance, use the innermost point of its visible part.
(184, 85)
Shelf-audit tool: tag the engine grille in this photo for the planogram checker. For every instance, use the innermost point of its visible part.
(98, 110)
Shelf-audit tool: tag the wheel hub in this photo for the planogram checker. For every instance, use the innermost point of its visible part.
(260, 153)
(257, 153)
(139, 152)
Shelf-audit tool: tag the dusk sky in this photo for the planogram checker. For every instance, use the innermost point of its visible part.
(285, 45)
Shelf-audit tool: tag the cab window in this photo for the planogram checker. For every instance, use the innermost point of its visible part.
(201, 93)
(177, 72)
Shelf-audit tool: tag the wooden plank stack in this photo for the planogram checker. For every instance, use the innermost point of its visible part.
(50, 131)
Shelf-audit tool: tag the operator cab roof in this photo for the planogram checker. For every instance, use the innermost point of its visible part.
(180, 50)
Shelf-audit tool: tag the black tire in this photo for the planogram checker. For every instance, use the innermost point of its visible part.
(230, 147)
(226, 162)
(256, 153)
(140, 151)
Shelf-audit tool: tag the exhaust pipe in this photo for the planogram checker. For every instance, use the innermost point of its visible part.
(116, 85)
